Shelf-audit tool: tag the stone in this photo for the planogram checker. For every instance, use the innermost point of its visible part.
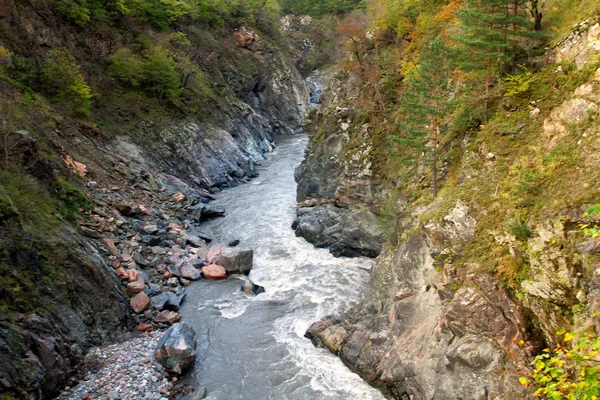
(213, 271)
(136, 286)
(133, 275)
(150, 229)
(235, 260)
(333, 337)
(214, 252)
(318, 327)
(234, 243)
(194, 241)
(167, 317)
(178, 197)
(111, 247)
(139, 302)
(176, 350)
(210, 211)
(251, 288)
(173, 282)
(167, 301)
(121, 273)
(188, 271)
(91, 233)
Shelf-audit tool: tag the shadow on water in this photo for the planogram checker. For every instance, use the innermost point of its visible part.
(252, 347)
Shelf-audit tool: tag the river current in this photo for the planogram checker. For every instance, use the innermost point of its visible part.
(253, 347)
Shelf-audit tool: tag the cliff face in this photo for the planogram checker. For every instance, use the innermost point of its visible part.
(338, 193)
(461, 302)
(108, 169)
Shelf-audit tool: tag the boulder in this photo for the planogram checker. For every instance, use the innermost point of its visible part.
(188, 271)
(176, 349)
(167, 301)
(139, 302)
(235, 260)
(251, 288)
(133, 275)
(214, 252)
(193, 240)
(210, 211)
(317, 328)
(213, 271)
(167, 317)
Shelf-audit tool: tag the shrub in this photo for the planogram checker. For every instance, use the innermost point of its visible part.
(161, 75)
(75, 10)
(571, 372)
(62, 79)
(126, 67)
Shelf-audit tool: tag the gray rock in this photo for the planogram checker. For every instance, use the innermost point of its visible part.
(346, 232)
(251, 288)
(167, 301)
(211, 211)
(188, 271)
(235, 260)
(176, 350)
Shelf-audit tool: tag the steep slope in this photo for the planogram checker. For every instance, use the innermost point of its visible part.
(478, 280)
(108, 110)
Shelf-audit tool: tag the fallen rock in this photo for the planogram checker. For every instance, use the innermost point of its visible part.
(139, 302)
(210, 211)
(213, 271)
(214, 252)
(167, 301)
(251, 288)
(136, 286)
(188, 271)
(144, 327)
(176, 350)
(133, 275)
(121, 273)
(167, 317)
(235, 260)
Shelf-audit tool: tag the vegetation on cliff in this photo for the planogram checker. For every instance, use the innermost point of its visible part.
(512, 134)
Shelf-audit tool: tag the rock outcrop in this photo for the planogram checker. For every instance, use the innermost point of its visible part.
(338, 194)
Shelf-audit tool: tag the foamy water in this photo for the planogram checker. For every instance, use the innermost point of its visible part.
(253, 347)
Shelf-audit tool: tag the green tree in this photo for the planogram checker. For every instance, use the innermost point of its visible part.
(490, 33)
(161, 76)
(126, 67)
(428, 98)
(62, 79)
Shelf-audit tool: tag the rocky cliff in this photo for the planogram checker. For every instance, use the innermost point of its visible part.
(465, 297)
(77, 190)
(338, 193)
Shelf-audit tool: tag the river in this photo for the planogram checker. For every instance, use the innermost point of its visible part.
(253, 347)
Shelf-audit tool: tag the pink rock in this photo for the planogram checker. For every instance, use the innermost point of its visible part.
(121, 273)
(136, 286)
(167, 317)
(133, 275)
(143, 327)
(111, 246)
(213, 271)
(139, 302)
(215, 252)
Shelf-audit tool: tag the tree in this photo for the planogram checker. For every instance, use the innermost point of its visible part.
(535, 8)
(489, 38)
(61, 78)
(428, 98)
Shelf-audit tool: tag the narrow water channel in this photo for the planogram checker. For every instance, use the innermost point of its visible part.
(252, 347)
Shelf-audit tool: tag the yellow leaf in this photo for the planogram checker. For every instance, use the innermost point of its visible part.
(568, 337)
(524, 381)
(539, 365)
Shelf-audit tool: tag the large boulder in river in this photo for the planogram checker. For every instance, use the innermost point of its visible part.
(176, 350)
(235, 260)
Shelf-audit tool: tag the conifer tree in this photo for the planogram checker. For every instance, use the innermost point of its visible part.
(490, 30)
(428, 98)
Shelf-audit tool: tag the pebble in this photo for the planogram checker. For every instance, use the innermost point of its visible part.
(117, 372)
